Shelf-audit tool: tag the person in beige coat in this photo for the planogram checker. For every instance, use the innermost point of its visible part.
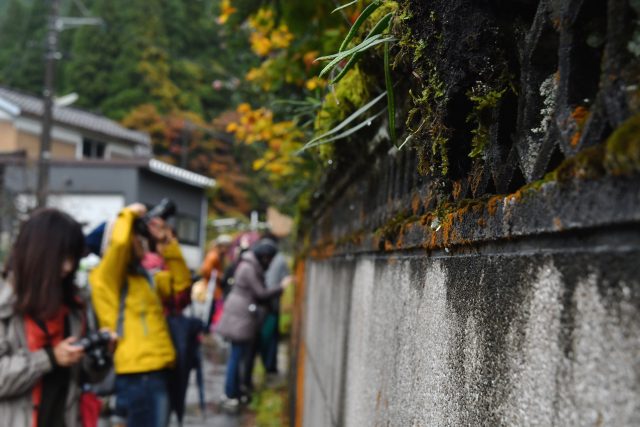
(41, 318)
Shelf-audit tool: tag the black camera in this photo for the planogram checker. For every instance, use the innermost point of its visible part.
(96, 347)
(165, 209)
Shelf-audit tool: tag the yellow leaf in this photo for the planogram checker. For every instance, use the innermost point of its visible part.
(226, 10)
(232, 127)
(243, 108)
(259, 164)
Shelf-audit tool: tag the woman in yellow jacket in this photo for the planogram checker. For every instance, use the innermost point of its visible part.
(128, 300)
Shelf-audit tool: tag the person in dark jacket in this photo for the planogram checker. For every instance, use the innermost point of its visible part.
(243, 311)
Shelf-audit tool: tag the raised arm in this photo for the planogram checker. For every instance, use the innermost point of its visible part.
(250, 278)
(107, 278)
(178, 277)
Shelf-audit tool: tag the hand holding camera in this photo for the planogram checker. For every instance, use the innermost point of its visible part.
(98, 346)
(151, 224)
(67, 352)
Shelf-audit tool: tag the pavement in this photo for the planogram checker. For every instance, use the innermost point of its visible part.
(214, 369)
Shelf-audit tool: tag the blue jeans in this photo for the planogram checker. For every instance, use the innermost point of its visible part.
(143, 399)
(236, 369)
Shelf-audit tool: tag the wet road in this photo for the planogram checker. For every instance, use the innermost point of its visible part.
(214, 358)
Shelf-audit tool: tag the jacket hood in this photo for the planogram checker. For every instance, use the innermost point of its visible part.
(250, 257)
(7, 299)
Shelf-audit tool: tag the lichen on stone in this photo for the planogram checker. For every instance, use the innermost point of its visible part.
(548, 91)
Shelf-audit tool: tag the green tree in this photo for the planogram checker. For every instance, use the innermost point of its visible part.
(13, 31)
(22, 49)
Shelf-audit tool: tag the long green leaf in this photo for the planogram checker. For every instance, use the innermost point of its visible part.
(349, 65)
(344, 6)
(356, 25)
(351, 118)
(347, 52)
(351, 131)
(382, 25)
(360, 48)
(295, 102)
(391, 103)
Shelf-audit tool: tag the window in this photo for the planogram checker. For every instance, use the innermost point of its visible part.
(92, 149)
(187, 229)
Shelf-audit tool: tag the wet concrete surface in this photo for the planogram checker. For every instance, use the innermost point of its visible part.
(214, 358)
(214, 369)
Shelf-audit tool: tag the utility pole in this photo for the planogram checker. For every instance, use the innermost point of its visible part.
(56, 24)
(51, 56)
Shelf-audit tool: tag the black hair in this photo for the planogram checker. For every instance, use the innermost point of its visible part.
(45, 241)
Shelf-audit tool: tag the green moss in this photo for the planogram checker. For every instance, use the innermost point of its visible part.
(620, 155)
(623, 148)
(270, 405)
(585, 165)
(386, 8)
(393, 227)
(485, 100)
(349, 94)
(425, 118)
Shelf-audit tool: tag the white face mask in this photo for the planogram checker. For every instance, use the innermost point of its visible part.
(67, 267)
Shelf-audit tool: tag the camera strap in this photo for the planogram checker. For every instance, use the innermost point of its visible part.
(43, 327)
(123, 297)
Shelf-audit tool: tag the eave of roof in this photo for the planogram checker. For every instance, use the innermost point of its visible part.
(17, 103)
(152, 165)
(179, 174)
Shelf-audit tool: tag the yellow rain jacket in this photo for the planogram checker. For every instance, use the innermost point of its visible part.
(145, 344)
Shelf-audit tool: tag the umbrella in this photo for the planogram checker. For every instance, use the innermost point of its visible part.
(184, 333)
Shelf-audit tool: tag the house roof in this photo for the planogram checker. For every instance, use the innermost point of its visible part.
(16, 103)
(179, 174)
(155, 166)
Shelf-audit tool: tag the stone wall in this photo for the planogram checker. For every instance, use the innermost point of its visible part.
(506, 336)
(502, 288)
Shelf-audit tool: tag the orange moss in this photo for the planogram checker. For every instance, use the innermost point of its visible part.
(323, 250)
(457, 189)
(492, 205)
(415, 203)
(446, 229)
(433, 242)
(516, 197)
(475, 178)
(356, 238)
(426, 219)
(557, 223)
(388, 245)
(579, 116)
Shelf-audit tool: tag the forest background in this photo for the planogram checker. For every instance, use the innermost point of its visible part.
(228, 89)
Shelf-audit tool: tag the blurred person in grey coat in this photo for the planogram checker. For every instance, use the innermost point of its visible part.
(277, 274)
(244, 310)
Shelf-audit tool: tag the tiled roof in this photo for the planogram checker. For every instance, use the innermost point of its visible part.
(74, 117)
(180, 174)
